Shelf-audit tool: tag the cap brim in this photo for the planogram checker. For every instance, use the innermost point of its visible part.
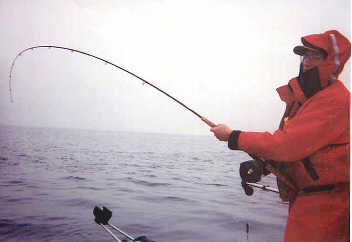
(301, 50)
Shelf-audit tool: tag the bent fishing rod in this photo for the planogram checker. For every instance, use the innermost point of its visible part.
(208, 122)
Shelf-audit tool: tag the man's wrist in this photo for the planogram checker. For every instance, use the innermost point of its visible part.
(233, 140)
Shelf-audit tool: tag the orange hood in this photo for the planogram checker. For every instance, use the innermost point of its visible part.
(338, 50)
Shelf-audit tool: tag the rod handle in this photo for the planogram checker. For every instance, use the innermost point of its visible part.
(208, 122)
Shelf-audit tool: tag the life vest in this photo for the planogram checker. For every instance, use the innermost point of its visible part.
(329, 164)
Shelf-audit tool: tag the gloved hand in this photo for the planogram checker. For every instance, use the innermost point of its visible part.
(250, 171)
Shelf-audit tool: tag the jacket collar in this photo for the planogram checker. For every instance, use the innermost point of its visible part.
(292, 92)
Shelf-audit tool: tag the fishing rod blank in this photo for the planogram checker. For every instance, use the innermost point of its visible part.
(121, 232)
(111, 233)
(208, 122)
(263, 187)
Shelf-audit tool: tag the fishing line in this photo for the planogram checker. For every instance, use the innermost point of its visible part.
(211, 124)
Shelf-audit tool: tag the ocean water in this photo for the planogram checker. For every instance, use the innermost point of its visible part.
(167, 187)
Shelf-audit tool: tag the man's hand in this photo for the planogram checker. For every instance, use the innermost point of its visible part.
(222, 132)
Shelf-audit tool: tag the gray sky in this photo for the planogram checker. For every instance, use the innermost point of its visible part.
(223, 58)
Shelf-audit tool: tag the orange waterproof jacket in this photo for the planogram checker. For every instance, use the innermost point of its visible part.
(315, 128)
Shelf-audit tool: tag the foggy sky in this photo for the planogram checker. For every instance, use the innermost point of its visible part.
(222, 58)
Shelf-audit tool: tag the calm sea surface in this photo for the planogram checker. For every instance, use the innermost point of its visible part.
(167, 187)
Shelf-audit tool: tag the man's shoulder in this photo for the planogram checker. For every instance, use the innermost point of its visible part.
(336, 92)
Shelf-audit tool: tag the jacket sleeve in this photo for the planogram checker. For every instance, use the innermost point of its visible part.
(320, 121)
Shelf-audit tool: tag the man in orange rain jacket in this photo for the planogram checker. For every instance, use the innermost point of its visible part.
(311, 147)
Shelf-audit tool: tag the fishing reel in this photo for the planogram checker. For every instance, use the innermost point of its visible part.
(102, 216)
(250, 171)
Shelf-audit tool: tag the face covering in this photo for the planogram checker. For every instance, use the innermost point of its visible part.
(309, 80)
